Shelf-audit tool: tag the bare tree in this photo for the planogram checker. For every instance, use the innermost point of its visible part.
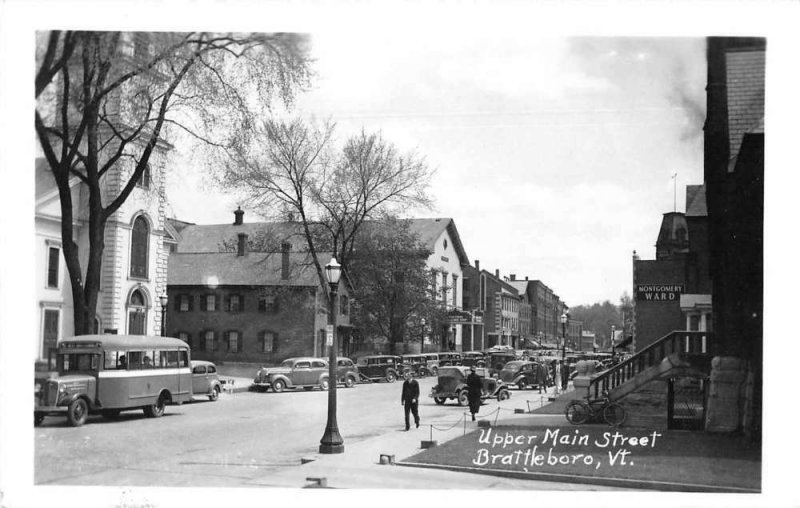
(290, 165)
(106, 98)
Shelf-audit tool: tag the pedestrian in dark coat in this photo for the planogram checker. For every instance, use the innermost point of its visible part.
(410, 398)
(474, 391)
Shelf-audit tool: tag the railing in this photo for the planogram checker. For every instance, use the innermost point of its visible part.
(693, 343)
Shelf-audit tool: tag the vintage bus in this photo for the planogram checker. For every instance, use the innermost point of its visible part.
(107, 374)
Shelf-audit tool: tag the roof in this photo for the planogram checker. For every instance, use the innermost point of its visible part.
(127, 341)
(429, 231)
(252, 269)
(210, 237)
(696, 201)
(745, 72)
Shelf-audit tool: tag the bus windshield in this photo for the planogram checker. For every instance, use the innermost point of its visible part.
(78, 362)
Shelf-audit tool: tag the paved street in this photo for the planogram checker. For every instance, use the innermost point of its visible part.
(238, 440)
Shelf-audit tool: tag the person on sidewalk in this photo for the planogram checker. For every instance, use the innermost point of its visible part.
(474, 391)
(541, 377)
(557, 376)
(410, 398)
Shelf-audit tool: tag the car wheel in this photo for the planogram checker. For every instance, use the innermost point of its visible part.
(462, 398)
(325, 384)
(503, 395)
(156, 410)
(390, 377)
(308, 388)
(349, 382)
(278, 386)
(434, 371)
(214, 395)
(77, 412)
(521, 384)
(439, 400)
(38, 418)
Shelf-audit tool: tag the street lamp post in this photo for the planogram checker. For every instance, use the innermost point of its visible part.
(422, 339)
(164, 300)
(564, 374)
(332, 441)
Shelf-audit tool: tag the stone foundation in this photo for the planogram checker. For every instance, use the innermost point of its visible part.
(727, 400)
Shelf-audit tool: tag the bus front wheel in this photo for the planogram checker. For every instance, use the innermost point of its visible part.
(77, 412)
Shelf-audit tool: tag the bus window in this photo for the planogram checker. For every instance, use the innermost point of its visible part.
(79, 362)
(172, 359)
(159, 359)
(115, 360)
(135, 360)
(184, 358)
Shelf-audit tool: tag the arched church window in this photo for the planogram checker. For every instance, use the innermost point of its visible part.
(140, 238)
(137, 313)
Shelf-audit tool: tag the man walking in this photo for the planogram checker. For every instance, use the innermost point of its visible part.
(474, 391)
(410, 398)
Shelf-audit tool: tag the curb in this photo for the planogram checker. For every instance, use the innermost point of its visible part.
(587, 480)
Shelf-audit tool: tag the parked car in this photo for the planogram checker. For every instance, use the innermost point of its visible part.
(205, 379)
(298, 372)
(523, 374)
(449, 358)
(432, 362)
(476, 358)
(377, 367)
(496, 360)
(416, 364)
(452, 384)
(346, 372)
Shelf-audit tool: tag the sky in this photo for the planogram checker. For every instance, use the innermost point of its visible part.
(555, 156)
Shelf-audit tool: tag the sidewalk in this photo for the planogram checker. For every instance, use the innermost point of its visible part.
(670, 460)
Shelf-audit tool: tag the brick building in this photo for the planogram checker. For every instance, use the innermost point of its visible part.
(243, 306)
(498, 304)
(673, 291)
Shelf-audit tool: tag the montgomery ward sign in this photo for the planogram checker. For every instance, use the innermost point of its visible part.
(658, 292)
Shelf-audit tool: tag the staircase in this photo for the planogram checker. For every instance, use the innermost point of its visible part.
(676, 354)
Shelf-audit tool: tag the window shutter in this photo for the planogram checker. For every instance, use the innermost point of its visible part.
(274, 342)
(201, 340)
(203, 302)
(261, 338)
(178, 302)
(191, 301)
(241, 303)
(239, 342)
(214, 342)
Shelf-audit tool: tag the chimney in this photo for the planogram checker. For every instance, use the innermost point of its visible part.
(478, 265)
(285, 248)
(512, 276)
(239, 214)
(497, 273)
(242, 248)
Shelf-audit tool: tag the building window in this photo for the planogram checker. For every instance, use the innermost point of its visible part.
(53, 261)
(444, 287)
(144, 180)
(50, 329)
(344, 305)
(137, 313)
(694, 323)
(208, 340)
(211, 303)
(233, 341)
(183, 303)
(140, 238)
(234, 303)
(185, 337)
(268, 304)
(455, 290)
(267, 342)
